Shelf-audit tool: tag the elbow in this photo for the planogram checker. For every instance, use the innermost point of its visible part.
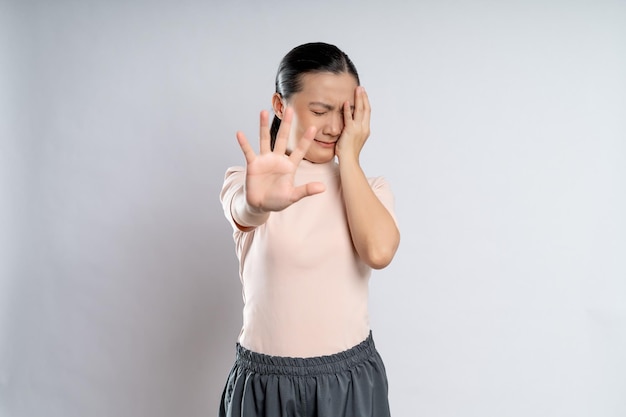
(379, 264)
(381, 257)
(379, 260)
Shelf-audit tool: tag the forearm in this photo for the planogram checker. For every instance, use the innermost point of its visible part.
(374, 232)
(245, 216)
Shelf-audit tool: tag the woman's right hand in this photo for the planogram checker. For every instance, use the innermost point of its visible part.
(270, 174)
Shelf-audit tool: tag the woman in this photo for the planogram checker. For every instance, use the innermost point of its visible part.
(308, 230)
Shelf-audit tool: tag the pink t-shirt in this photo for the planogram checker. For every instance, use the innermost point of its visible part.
(305, 289)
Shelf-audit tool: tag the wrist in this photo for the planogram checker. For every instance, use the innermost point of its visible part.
(348, 158)
(247, 215)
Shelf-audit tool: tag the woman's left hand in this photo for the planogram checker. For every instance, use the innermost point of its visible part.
(356, 128)
(372, 227)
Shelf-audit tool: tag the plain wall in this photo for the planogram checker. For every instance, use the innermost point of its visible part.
(500, 126)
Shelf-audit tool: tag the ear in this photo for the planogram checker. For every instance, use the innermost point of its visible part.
(278, 105)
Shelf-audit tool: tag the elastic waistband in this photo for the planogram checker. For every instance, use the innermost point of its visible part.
(329, 364)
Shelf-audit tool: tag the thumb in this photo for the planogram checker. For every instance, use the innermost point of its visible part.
(306, 190)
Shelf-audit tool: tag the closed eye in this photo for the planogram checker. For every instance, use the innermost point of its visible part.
(319, 109)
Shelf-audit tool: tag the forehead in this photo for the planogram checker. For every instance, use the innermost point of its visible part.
(328, 87)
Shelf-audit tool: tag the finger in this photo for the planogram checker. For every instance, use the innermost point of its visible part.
(264, 133)
(358, 103)
(365, 99)
(347, 113)
(367, 109)
(280, 146)
(306, 190)
(303, 145)
(248, 152)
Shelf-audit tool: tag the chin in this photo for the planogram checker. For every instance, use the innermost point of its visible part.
(320, 159)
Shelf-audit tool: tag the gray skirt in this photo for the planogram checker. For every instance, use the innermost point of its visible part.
(352, 383)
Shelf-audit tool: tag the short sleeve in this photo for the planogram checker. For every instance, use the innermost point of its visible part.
(234, 180)
(381, 188)
(233, 184)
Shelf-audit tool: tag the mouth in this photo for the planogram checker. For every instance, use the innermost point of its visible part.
(325, 144)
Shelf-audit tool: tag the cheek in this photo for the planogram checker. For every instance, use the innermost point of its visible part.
(301, 124)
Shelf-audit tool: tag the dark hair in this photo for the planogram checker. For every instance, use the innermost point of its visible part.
(305, 59)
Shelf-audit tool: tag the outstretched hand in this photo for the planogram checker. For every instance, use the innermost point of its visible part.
(270, 175)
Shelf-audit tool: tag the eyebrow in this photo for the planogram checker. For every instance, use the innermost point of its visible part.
(326, 106)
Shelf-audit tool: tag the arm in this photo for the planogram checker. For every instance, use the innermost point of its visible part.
(374, 232)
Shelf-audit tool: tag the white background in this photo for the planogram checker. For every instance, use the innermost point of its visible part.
(501, 127)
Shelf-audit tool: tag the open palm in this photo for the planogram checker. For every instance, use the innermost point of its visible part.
(270, 175)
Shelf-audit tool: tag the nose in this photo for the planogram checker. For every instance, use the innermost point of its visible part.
(334, 125)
